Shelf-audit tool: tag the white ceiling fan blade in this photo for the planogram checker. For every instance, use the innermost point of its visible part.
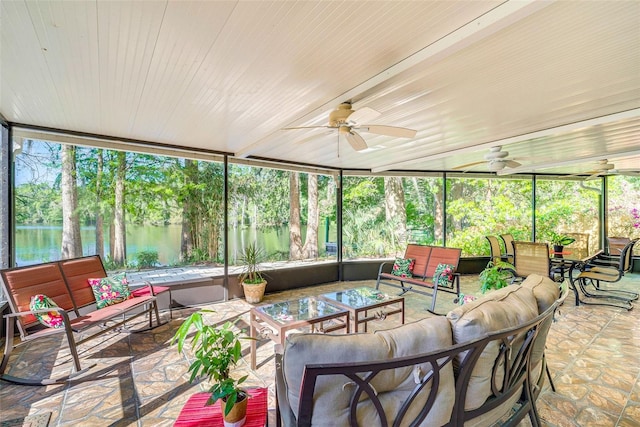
(468, 165)
(512, 163)
(389, 131)
(356, 141)
(362, 115)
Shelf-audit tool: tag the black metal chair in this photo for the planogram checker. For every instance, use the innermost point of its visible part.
(607, 269)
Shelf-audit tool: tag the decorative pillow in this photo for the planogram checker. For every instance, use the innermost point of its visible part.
(443, 276)
(110, 290)
(403, 267)
(51, 319)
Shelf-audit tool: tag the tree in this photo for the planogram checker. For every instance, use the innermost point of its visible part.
(71, 240)
(295, 237)
(99, 231)
(118, 244)
(395, 212)
(189, 209)
(310, 249)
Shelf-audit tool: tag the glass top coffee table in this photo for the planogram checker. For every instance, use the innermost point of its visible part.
(274, 320)
(365, 304)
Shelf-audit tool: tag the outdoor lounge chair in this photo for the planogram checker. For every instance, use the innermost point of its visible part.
(507, 239)
(531, 258)
(605, 269)
(496, 250)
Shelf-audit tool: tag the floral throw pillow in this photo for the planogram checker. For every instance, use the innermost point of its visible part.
(403, 267)
(50, 319)
(443, 275)
(110, 290)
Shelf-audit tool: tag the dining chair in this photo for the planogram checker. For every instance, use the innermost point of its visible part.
(496, 250)
(580, 247)
(531, 258)
(616, 244)
(507, 239)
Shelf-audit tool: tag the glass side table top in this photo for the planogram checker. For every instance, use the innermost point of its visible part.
(299, 310)
(359, 297)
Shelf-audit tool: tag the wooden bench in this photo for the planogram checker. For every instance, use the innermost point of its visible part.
(66, 283)
(426, 259)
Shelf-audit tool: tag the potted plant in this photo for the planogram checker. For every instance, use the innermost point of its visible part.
(216, 350)
(559, 241)
(496, 276)
(252, 280)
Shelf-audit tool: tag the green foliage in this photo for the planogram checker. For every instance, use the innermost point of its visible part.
(559, 239)
(216, 350)
(249, 259)
(495, 276)
(146, 259)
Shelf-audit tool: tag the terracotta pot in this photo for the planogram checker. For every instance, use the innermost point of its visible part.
(253, 293)
(238, 414)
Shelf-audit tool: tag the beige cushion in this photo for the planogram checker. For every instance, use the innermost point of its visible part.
(504, 308)
(546, 292)
(332, 394)
(544, 289)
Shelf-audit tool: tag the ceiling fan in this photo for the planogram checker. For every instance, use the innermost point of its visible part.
(495, 159)
(604, 168)
(349, 123)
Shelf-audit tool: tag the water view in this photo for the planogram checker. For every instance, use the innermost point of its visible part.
(41, 243)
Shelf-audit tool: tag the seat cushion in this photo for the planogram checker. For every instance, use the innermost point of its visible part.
(501, 309)
(333, 393)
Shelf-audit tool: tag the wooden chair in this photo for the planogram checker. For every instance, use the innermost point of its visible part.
(507, 239)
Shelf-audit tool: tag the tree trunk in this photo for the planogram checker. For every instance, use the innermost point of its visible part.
(71, 241)
(310, 249)
(119, 237)
(395, 211)
(295, 238)
(99, 204)
(189, 205)
(438, 214)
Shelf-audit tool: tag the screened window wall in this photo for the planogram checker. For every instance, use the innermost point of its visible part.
(478, 207)
(148, 210)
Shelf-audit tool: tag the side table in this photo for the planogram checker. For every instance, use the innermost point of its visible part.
(196, 413)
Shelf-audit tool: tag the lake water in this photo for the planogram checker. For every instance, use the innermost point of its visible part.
(41, 243)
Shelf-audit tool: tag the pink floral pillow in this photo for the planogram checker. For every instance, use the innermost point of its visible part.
(50, 319)
(403, 267)
(110, 290)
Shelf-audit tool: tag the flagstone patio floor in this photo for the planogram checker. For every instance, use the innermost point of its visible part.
(141, 380)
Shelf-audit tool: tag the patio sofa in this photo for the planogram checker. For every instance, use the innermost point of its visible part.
(483, 362)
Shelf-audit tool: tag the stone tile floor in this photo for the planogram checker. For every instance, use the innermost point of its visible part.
(139, 379)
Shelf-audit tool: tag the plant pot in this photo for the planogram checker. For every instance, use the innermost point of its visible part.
(253, 292)
(238, 414)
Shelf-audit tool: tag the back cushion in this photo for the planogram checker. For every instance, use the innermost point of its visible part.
(504, 308)
(45, 279)
(420, 255)
(77, 272)
(443, 256)
(333, 393)
(546, 292)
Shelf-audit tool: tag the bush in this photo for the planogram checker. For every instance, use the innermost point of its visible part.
(146, 259)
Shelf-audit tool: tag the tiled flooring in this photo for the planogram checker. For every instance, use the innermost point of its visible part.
(139, 379)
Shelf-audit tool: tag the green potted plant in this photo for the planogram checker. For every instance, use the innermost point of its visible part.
(496, 276)
(216, 350)
(251, 278)
(559, 241)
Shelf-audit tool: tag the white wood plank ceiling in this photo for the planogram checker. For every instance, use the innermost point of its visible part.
(556, 84)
